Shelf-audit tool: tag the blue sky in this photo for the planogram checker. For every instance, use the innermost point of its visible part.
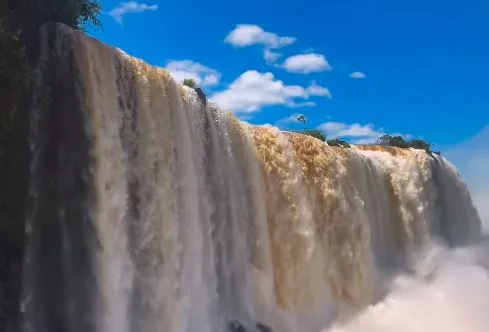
(425, 63)
(420, 68)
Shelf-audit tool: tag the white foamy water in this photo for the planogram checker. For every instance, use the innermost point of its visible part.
(173, 216)
(449, 292)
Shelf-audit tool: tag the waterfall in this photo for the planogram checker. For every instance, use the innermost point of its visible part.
(150, 210)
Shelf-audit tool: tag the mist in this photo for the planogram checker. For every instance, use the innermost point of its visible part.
(472, 160)
(448, 292)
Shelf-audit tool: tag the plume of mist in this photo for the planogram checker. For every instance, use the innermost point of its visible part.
(448, 292)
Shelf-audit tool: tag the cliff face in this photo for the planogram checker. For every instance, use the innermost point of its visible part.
(150, 209)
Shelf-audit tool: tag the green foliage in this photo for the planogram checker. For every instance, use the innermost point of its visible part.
(338, 142)
(75, 13)
(396, 141)
(420, 144)
(315, 133)
(88, 12)
(19, 22)
(399, 142)
(14, 67)
(190, 83)
(320, 136)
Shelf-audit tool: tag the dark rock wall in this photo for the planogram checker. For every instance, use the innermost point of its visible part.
(46, 240)
(60, 241)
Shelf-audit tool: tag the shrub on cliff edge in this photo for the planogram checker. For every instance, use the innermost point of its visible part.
(400, 142)
(338, 142)
(190, 83)
(314, 133)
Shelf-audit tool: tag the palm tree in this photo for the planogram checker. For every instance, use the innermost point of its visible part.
(302, 119)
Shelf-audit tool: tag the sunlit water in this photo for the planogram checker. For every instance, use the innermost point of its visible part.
(190, 218)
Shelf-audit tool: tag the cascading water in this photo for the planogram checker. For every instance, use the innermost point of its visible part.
(151, 210)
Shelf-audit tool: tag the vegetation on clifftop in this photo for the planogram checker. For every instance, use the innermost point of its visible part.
(74, 13)
(19, 24)
(190, 83)
(314, 133)
(321, 136)
(396, 141)
(400, 142)
(338, 142)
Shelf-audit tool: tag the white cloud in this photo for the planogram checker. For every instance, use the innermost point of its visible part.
(130, 7)
(248, 34)
(271, 56)
(316, 90)
(211, 79)
(202, 75)
(306, 63)
(357, 75)
(252, 91)
(357, 133)
(294, 104)
(472, 160)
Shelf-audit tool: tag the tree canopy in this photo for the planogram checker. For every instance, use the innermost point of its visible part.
(21, 18)
(397, 141)
(75, 13)
(400, 142)
(190, 83)
(19, 24)
(314, 133)
(338, 142)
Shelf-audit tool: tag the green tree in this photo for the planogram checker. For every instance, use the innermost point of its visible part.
(19, 21)
(190, 83)
(19, 24)
(384, 140)
(315, 133)
(419, 144)
(399, 142)
(75, 13)
(88, 11)
(338, 142)
(301, 118)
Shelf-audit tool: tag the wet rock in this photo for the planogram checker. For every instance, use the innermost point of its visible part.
(201, 95)
(236, 326)
(263, 328)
